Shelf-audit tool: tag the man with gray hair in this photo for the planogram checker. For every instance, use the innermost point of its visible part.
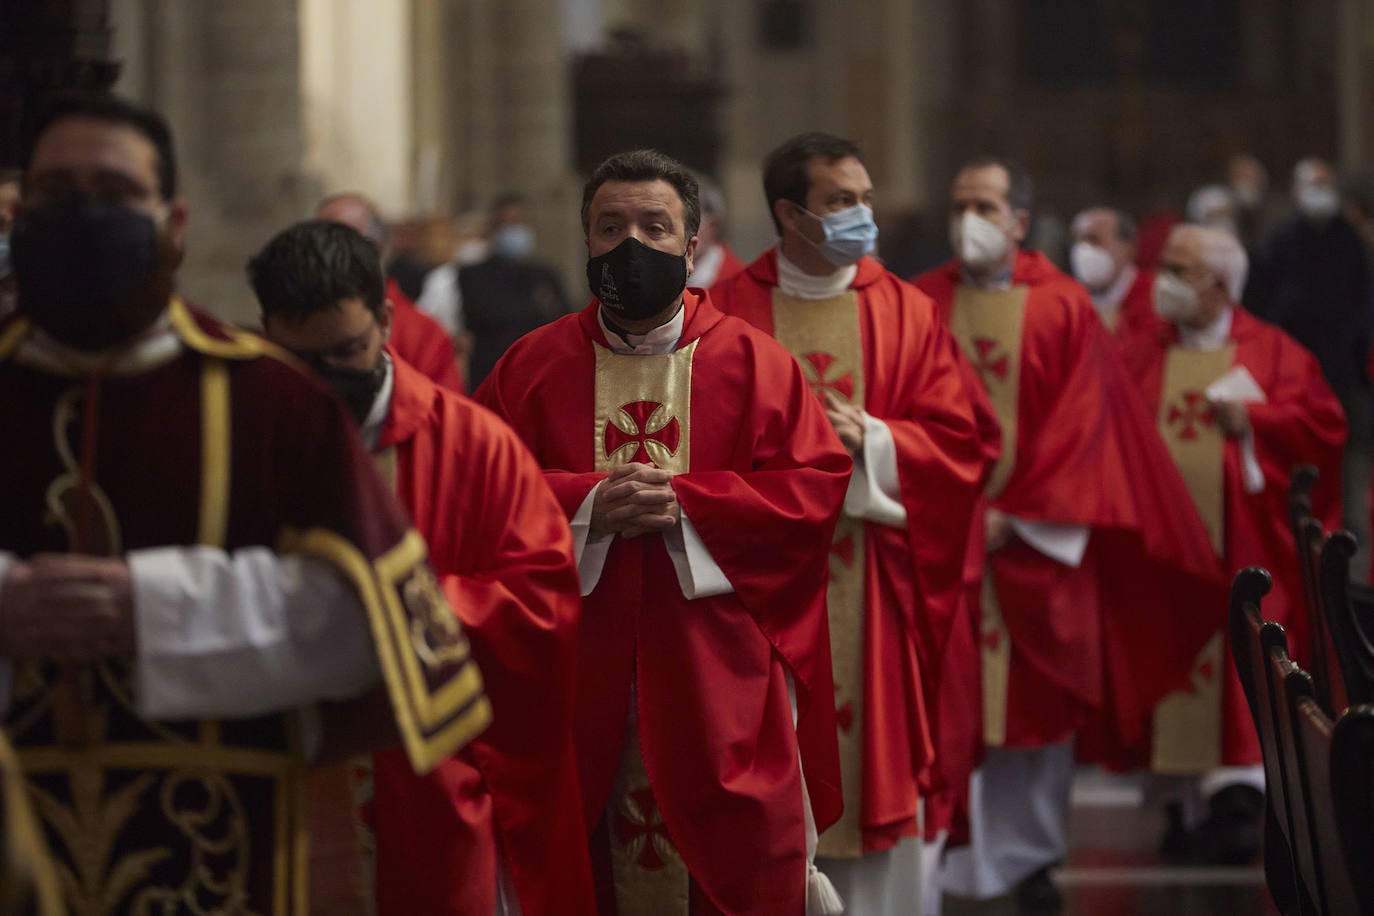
(1239, 404)
(1103, 260)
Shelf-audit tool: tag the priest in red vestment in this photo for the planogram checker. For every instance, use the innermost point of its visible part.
(486, 831)
(420, 339)
(206, 584)
(879, 358)
(1089, 533)
(1103, 260)
(703, 482)
(1239, 404)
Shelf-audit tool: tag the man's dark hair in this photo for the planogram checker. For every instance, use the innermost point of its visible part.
(1020, 188)
(646, 165)
(785, 169)
(110, 109)
(314, 266)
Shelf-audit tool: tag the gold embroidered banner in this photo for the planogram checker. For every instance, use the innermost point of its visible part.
(1187, 723)
(824, 337)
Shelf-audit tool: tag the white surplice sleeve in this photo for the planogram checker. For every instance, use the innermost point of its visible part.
(875, 494)
(1063, 542)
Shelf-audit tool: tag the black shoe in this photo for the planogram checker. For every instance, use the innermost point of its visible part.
(1179, 845)
(1037, 894)
(1231, 834)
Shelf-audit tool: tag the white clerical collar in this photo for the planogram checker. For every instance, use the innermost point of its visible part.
(793, 281)
(662, 339)
(1212, 337)
(1110, 299)
(381, 406)
(154, 347)
(706, 267)
(998, 282)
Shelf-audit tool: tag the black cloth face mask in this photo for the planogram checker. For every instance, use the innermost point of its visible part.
(357, 387)
(635, 281)
(90, 274)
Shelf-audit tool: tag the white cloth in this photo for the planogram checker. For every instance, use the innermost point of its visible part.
(932, 855)
(442, 298)
(1059, 541)
(1214, 781)
(1214, 337)
(1018, 820)
(698, 574)
(875, 493)
(381, 406)
(886, 883)
(231, 635)
(794, 281)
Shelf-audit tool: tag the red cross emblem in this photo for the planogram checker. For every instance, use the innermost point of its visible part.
(991, 359)
(844, 717)
(640, 822)
(820, 364)
(843, 550)
(1191, 410)
(645, 428)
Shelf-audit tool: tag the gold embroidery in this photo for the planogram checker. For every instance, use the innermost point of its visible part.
(240, 345)
(66, 498)
(13, 336)
(643, 409)
(433, 723)
(995, 641)
(650, 877)
(214, 448)
(825, 338)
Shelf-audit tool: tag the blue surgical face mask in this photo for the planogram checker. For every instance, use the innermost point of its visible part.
(513, 241)
(849, 234)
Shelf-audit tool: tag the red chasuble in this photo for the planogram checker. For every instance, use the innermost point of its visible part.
(499, 544)
(1208, 724)
(730, 265)
(908, 376)
(422, 341)
(762, 477)
(1064, 648)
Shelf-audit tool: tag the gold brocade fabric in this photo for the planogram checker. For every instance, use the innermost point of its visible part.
(1187, 723)
(824, 337)
(989, 326)
(643, 413)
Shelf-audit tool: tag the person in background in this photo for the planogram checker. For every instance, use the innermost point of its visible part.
(1103, 260)
(1239, 404)
(1088, 532)
(716, 261)
(1312, 278)
(1258, 211)
(511, 292)
(1213, 206)
(486, 831)
(419, 338)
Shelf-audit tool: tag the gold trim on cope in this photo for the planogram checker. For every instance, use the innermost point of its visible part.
(433, 723)
(215, 456)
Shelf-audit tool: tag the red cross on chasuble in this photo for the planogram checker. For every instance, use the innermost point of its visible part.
(988, 325)
(643, 413)
(1188, 722)
(823, 335)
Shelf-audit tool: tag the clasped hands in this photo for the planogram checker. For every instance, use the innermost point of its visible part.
(635, 499)
(66, 607)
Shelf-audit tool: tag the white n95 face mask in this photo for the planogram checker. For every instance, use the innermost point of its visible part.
(1174, 300)
(1318, 201)
(978, 242)
(1092, 265)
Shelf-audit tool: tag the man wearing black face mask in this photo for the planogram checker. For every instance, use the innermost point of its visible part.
(702, 482)
(489, 827)
(203, 580)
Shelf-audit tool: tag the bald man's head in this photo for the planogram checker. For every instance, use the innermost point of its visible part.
(357, 212)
